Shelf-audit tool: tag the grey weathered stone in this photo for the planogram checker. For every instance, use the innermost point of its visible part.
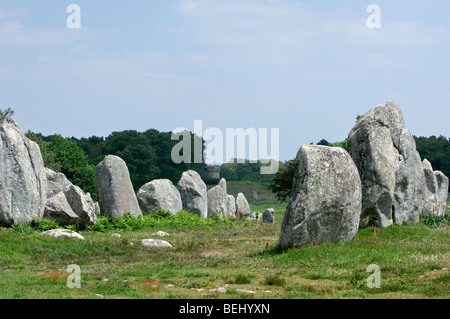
(231, 206)
(97, 209)
(325, 202)
(431, 190)
(370, 146)
(193, 193)
(442, 195)
(268, 216)
(242, 207)
(159, 194)
(155, 243)
(22, 176)
(66, 233)
(67, 204)
(254, 217)
(395, 122)
(217, 199)
(56, 182)
(115, 191)
(409, 180)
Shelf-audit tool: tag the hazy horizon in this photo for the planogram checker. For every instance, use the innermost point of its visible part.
(303, 67)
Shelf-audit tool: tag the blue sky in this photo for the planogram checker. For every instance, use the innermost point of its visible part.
(305, 67)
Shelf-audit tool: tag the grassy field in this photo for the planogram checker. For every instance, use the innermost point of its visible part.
(414, 262)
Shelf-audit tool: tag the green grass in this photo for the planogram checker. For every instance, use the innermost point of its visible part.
(213, 253)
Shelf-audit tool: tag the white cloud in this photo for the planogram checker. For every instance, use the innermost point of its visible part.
(286, 33)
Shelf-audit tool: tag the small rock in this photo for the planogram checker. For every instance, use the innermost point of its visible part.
(245, 291)
(98, 295)
(155, 243)
(169, 286)
(62, 233)
(222, 290)
(161, 234)
(115, 235)
(268, 291)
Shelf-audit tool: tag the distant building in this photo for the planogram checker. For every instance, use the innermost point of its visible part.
(213, 172)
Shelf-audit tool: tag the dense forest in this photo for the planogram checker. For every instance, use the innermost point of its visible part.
(147, 154)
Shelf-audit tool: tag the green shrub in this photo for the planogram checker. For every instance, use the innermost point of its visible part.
(44, 224)
(434, 221)
(22, 228)
(102, 224)
(156, 219)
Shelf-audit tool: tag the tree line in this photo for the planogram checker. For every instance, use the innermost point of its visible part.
(147, 155)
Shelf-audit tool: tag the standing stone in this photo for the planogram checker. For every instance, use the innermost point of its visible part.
(268, 216)
(159, 194)
(325, 202)
(66, 203)
(242, 207)
(115, 191)
(193, 193)
(395, 122)
(370, 146)
(431, 190)
(442, 195)
(56, 182)
(22, 176)
(231, 206)
(409, 180)
(217, 199)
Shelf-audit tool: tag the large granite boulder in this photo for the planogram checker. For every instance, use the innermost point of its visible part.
(22, 176)
(217, 199)
(159, 194)
(242, 206)
(66, 203)
(115, 191)
(325, 202)
(442, 195)
(193, 193)
(370, 145)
